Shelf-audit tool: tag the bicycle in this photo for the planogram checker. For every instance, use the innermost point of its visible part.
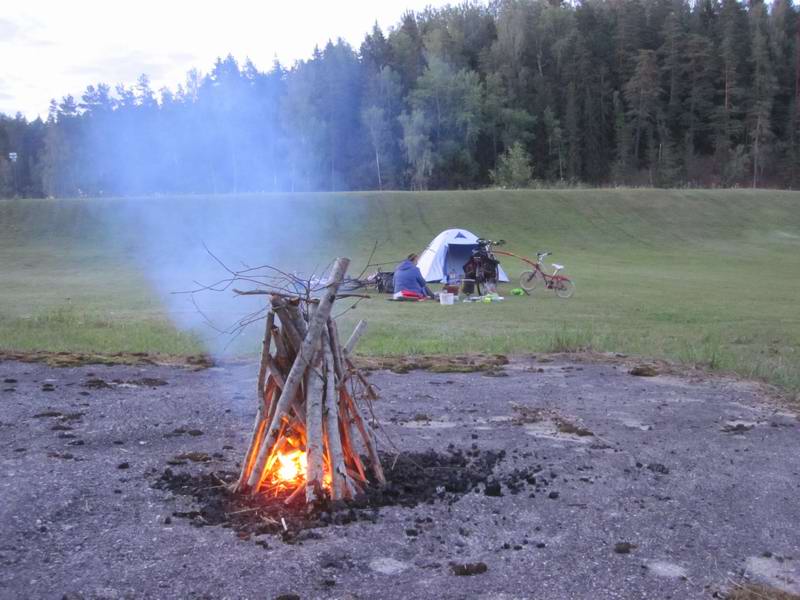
(482, 266)
(562, 285)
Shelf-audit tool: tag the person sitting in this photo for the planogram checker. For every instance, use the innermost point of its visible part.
(408, 279)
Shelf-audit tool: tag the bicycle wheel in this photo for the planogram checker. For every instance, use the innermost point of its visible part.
(528, 280)
(564, 288)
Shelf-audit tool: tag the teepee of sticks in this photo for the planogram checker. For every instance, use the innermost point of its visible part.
(311, 435)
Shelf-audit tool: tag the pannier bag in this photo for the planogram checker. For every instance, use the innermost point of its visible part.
(384, 282)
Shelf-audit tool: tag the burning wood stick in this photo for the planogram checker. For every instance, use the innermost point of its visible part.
(367, 436)
(288, 323)
(315, 463)
(265, 356)
(315, 331)
(260, 424)
(303, 439)
(340, 481)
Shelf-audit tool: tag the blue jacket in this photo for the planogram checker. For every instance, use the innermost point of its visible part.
(407, 277)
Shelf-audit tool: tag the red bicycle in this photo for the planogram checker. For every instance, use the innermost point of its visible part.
(560, 284)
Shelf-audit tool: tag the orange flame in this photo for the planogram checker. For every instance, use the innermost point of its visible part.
(291, 468)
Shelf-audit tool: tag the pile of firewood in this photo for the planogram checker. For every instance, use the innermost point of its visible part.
(311, 433)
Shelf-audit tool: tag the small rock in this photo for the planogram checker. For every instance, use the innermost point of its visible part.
(123, 465)
(644, 371)
(96, 384)
(467, 569)
(493, 489)
(658, 468)
(193, 456)
(48, 413)
(624, 547)
(552, 495)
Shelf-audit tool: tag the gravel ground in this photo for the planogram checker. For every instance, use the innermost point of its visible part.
(684, 487)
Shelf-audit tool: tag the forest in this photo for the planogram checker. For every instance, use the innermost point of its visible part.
(514, 93)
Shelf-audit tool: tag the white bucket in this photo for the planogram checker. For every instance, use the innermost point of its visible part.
(447, 299)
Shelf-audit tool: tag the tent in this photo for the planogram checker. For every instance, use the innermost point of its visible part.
(448, 252)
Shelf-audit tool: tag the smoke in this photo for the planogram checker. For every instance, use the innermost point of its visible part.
(234, 130)
(179, 243)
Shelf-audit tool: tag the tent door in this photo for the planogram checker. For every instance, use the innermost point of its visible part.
(456, 256)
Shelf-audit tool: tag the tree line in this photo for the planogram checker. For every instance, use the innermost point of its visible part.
(599, 92)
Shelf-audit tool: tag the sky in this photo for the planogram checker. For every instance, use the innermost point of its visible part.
(50, 48)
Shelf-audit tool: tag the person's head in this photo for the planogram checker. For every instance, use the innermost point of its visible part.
(412, 257)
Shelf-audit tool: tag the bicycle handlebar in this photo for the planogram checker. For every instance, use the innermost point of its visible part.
(486, 242)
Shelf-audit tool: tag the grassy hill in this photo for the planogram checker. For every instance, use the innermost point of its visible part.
(700, 276)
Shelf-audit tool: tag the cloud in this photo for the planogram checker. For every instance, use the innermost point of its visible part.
(9, 30)
(126, 68)
(21, 32)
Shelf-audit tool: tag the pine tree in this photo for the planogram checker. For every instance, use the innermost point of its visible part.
(728, 118)
(572, 125)
(762, 91)
(643, 94)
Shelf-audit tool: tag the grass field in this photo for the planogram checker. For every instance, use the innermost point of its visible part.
(709, 277)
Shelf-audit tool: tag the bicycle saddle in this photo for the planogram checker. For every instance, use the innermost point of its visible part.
(556, 266)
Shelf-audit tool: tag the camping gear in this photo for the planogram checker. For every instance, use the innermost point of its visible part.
(408, 295)
(447, 253)
(452, 288)
(467, 286)
(518, 292)
(384, 282)
(447, 299)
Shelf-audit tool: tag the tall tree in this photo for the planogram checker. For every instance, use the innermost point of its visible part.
(762, 90)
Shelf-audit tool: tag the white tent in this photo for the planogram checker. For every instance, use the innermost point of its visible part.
(448, 252)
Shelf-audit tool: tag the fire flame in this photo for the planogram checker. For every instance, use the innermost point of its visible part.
(291, 468)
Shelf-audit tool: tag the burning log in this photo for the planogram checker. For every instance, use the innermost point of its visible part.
(308, 420)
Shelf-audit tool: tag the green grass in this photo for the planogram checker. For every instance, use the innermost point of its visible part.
(707, 277)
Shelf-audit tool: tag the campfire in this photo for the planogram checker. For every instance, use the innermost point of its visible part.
(311, 436)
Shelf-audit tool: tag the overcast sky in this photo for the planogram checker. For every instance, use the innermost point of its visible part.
(50, 48)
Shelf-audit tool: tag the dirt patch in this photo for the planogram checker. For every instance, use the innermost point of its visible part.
(435, 364)
(565, 426)
(96, 383)
(80, 359)
(759, 592)
(644, 371)
(525, 415)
